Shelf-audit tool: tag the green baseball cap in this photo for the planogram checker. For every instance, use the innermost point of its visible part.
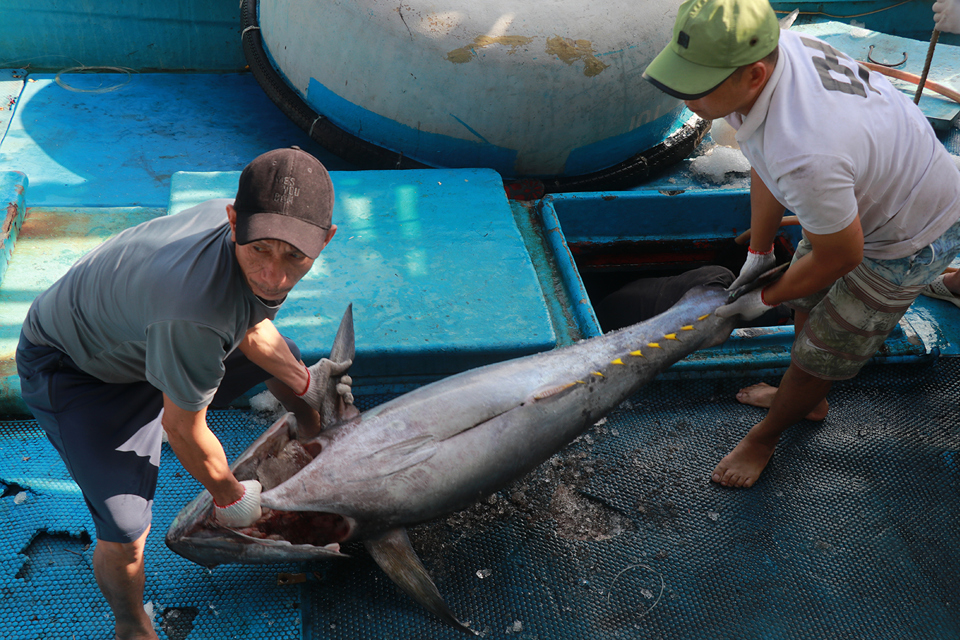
(711, 40)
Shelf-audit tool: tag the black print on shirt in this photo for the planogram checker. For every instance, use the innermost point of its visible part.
(831, 62)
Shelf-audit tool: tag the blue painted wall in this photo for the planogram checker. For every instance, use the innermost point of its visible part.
(910, 19)
(188, 35)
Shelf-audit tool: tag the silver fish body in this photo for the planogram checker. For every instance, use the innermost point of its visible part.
(444, 446)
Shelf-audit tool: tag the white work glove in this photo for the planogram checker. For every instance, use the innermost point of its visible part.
(245, 511)
(755, 264)
(946, 15)
(748, 306)
(322, 371)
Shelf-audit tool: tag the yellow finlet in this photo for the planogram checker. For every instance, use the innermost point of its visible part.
(597, 373)
(617, 361)
(653, 344)
(637, 353)
(704, 317)
(671, 336)
(689, 327)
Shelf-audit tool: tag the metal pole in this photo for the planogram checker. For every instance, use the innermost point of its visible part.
(926, 66)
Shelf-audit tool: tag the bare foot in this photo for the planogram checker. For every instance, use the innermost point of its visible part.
(951, 280)
(742, 466)
(761, 395)
(145, 632)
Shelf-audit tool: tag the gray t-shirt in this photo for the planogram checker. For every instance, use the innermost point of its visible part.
(164, 302)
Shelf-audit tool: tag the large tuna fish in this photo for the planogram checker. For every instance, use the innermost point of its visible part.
(435, 450)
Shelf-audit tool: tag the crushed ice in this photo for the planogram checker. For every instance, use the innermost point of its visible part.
(716, 162)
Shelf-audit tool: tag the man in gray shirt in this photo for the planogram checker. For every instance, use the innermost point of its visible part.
(152, 327)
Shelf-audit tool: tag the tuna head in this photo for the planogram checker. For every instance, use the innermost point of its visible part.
(276, 456)
(278, 536)
(288, 536)
(283, 535)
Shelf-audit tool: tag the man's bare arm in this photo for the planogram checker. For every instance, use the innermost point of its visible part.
(265, 347)
(832, 256)
(200, 452)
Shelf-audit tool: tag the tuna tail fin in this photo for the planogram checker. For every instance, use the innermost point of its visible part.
(331, 407)
(392, 551)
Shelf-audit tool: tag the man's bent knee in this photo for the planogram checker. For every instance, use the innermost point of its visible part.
(123, 553)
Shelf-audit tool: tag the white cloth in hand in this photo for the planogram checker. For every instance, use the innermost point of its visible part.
(946, 15)
(245, 511)
(345, 389)
(755, 265)
(748, 306)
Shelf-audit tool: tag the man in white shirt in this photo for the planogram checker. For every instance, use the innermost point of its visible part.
(946, 16)
(877, 196)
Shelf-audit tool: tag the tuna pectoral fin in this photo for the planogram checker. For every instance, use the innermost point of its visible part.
(396, 557)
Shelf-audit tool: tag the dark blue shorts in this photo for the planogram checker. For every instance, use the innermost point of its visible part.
(109, 435)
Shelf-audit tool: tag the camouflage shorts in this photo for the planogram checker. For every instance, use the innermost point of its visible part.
(849, 320)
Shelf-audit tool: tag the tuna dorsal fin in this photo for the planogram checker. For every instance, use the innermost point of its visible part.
(396, 557)
(343, 349)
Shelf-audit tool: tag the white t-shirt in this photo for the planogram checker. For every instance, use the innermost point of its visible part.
(832, 140)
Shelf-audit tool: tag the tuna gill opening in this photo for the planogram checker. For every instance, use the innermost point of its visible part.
(274, 467)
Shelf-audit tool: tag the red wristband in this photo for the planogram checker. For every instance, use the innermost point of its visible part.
(761, 253)
(300, 395)
(232, 503)
(764, 301)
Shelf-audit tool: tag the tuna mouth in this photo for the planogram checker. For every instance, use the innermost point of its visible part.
(299, 527)
(274, 529)
(278, 535)
(278, 457)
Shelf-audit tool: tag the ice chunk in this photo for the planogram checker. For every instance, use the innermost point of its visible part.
(717, 162)
(723, 134)
(265, 402)
(276, 470)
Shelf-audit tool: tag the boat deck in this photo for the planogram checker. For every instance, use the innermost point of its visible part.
(849, 534)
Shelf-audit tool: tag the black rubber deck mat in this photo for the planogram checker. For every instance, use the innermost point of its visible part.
(852, 531)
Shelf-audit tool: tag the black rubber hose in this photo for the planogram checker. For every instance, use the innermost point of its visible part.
(331, 137)
(366, 155)
(641, 167)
